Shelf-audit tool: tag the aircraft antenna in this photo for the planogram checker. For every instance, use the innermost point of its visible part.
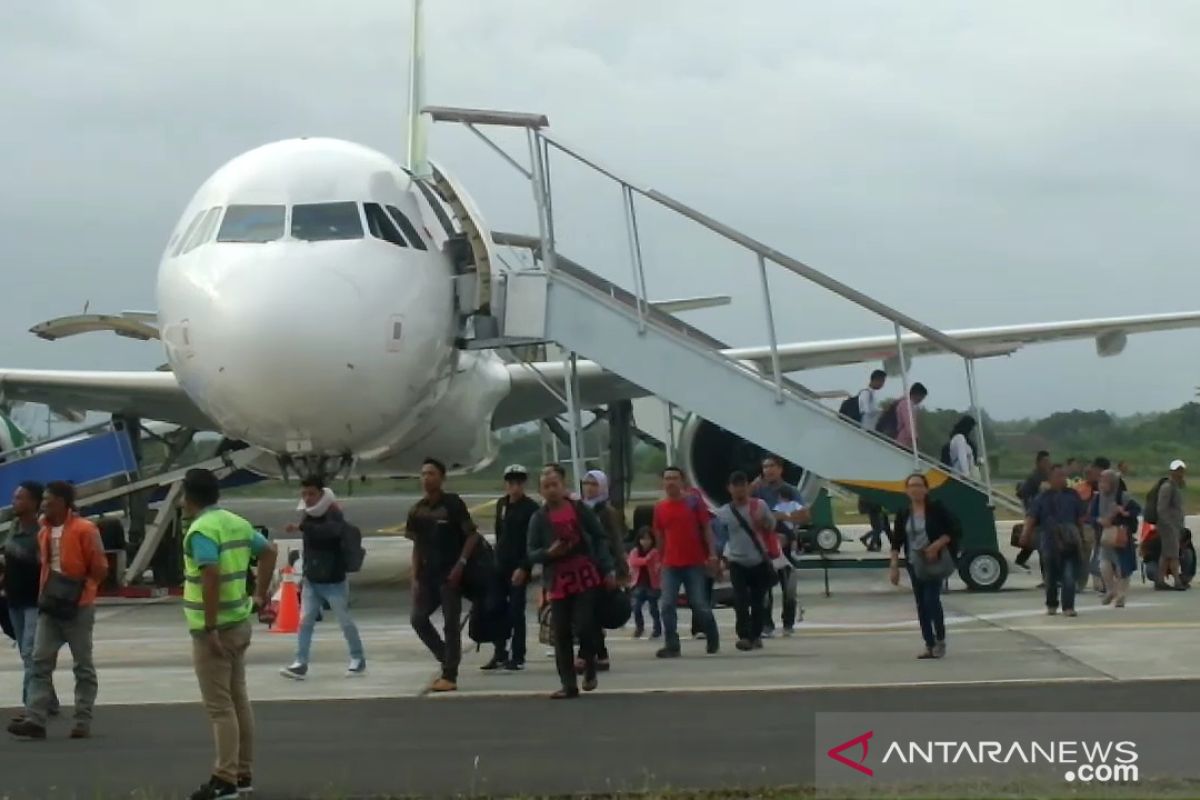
(417, 159)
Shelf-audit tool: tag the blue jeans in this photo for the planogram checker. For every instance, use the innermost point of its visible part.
(692, 579)
(337, 595)
(644, 595)
(1060, 570)
(24, 622)
(928, 595)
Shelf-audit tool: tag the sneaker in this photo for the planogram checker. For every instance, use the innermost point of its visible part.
(1120, 603)
(1108, 598)
(1159, 586)
(638, 633)
(656, 635)
(768, 633)
(80, 731)
(939, 649)
(668, 652)
(1069, 612)
(443, 685)
(216, 789)
(24, 729)
(788, 631)
(757, 644)
(296, 671)
(245, 784)
(590, 684)
(496, 663)
(513, 666)
(699, 635)
(357, 667)
(744, 645)
(1051, 610)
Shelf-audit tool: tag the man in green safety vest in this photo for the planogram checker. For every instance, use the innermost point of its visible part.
(217, 550)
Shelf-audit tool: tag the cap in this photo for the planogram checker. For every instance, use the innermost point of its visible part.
(515, 470)
(1178, 464)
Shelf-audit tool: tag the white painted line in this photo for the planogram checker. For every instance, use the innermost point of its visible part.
(821, 687)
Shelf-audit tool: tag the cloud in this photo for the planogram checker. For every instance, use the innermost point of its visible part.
(971, 164)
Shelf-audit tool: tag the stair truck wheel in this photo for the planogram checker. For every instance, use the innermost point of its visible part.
(827, 540)
(983, 570)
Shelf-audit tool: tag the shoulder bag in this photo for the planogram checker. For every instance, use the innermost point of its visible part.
(926, 570)
(60, 597)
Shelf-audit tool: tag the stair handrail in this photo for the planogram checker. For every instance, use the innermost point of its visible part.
(538, 175)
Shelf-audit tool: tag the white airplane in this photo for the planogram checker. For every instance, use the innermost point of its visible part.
(307, 305)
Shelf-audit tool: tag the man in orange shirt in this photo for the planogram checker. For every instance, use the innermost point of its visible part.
(73, 565)
(685, 539)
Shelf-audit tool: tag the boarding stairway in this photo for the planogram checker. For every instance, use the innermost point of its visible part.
(102, 463)
(563, 302)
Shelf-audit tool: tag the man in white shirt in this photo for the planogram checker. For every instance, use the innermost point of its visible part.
(868, 401)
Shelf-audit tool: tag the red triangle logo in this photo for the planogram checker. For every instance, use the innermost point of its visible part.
(864, 740)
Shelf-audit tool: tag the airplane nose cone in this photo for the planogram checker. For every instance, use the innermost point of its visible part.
(290, 360)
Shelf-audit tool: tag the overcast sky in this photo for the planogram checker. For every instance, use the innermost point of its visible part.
(973, 164)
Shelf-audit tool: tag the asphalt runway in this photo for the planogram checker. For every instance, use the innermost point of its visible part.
(503, 746)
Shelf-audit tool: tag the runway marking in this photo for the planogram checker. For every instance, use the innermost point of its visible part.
(818, 687)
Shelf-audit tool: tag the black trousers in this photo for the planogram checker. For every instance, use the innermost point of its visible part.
(571, 617)
(750, 587)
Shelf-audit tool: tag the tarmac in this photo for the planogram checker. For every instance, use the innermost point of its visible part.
(700, 721)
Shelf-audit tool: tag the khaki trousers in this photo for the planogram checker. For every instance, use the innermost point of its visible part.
(223, 689)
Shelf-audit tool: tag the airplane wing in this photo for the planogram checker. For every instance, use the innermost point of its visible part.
(531, 397)
(1110, 335)
(150, 395)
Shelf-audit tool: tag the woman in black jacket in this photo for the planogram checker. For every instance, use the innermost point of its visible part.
(928, 534)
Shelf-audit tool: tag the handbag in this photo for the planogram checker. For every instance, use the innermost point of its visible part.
(939, 570)
(614, 608)
(60, 597)
(1115, 537)
(1067, 538)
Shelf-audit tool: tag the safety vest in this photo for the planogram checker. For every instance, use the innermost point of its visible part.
(233, 536)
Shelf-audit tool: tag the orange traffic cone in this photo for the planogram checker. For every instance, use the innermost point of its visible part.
(288, 619)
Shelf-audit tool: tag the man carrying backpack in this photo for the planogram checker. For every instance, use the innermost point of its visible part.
(1168, 523)
(863, 407)
(328, 555)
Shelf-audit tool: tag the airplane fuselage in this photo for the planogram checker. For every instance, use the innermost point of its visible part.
(307, 307)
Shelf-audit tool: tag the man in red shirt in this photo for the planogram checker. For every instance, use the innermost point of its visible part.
(684, 537)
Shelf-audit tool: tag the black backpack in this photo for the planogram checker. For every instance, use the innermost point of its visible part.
(353, 552)
(850, 408)
(1150, 512)
(889, 420)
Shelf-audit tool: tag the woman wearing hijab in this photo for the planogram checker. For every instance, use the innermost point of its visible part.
(959, 452)
(595, 497)
(1114, 514)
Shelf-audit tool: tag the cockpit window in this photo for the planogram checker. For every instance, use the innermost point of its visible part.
(322, 222)
(251, 224)
(187, 233)
(380, 225)
(204, 231)
(409, 231)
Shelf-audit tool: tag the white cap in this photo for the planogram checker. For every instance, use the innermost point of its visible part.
(515, 469)
(1178, 464)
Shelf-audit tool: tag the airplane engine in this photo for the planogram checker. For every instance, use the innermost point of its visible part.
(708, 454)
